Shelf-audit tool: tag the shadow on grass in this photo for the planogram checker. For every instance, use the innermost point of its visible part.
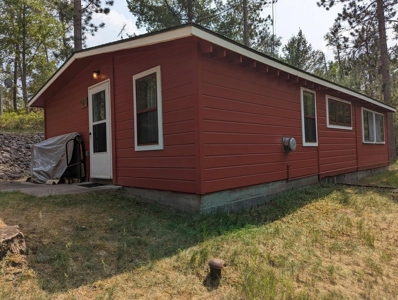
(77, 240)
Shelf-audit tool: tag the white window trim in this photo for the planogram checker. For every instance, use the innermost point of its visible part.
(327, 113)
(374, 127)
(302, 118)
(158, 146)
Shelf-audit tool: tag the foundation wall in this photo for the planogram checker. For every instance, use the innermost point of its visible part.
(240, 198)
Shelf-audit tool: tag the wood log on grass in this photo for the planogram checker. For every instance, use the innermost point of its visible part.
(11, 240)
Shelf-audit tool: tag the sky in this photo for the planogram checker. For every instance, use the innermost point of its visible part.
(289, 16)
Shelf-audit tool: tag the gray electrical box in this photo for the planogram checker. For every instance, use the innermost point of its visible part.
(289, 144)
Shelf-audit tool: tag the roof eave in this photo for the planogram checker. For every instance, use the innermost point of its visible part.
(245, 51)
(187, 30)
(139, 41)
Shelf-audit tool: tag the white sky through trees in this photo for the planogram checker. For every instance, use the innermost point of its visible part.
(290, 15)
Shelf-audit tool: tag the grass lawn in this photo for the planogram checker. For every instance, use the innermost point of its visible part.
(324, 242)
(389, 179)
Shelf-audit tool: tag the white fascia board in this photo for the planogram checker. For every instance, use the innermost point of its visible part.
(240, 50)
(152, 39)
(194, 31)
(113, 47)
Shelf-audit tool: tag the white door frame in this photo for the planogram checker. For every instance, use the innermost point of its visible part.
(101, 163)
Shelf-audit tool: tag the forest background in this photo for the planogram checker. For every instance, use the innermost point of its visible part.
(37, 36)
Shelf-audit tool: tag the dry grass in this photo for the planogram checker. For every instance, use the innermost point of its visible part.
(386, 179)
(324, 242)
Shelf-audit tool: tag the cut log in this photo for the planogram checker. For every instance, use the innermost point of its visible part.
(11, 240)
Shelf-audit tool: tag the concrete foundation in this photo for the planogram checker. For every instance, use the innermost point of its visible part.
(251, 196)
(179, 201)
(229, 200)
(354, 176)
(240, 198)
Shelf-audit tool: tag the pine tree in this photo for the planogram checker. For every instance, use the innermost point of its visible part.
(354, 16)
(77, 19)
(28, 36)
(229, 18)
(298, 53)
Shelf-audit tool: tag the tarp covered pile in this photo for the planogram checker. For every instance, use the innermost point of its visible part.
(49, 158)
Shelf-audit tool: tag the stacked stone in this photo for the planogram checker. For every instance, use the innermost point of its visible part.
(15, 154)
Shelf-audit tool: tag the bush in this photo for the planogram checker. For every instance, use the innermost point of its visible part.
(22, 122)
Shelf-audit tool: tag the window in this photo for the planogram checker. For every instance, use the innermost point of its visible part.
(308, 116)
(372, 127)
(148, 123)
(338, 113)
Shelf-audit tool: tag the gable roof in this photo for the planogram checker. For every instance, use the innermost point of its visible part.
(188, 30)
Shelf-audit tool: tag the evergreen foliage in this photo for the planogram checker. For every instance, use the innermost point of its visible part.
(298, 53)
(367, 21)
(223, 17)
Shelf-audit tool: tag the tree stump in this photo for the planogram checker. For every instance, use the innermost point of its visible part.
(11, 240)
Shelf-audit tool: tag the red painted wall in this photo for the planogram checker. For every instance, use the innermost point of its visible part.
(223, 123)
(173, 168)
(371, 155)
(246, 114)
(337, 147)
(64, 113)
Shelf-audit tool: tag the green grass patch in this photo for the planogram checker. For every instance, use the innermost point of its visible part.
(323, 242)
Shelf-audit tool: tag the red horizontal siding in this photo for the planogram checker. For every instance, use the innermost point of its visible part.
(161, 173)
(232, 105)
(337, 147)
(223, 123)
(370, 155)
(255, 159)
(157, 162)
(245, 116)
(242, 181)
(234, 116)
(180, 185)
(176, 152)
(175, 167)
(249, 128)
(64, 113)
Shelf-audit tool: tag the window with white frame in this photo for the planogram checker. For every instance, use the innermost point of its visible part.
(338, 113)
(148, 122)
(309, 118)
(372, 127)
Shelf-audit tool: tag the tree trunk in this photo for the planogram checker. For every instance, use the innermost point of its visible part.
(385, 75)
(190, 11)
(341, 71)
(77, 24)
(23, 62)
(14, 88)
(245, 26)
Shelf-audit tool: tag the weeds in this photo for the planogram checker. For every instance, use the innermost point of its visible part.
(323, 242)
(365, 234)
(22, 122)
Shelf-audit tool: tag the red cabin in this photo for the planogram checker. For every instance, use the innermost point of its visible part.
(196, 121)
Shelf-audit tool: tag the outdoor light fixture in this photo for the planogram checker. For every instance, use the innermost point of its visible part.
(96, 74)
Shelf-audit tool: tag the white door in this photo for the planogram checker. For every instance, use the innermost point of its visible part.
(100, 130)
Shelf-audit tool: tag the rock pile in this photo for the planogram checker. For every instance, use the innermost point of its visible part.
(15, 154)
